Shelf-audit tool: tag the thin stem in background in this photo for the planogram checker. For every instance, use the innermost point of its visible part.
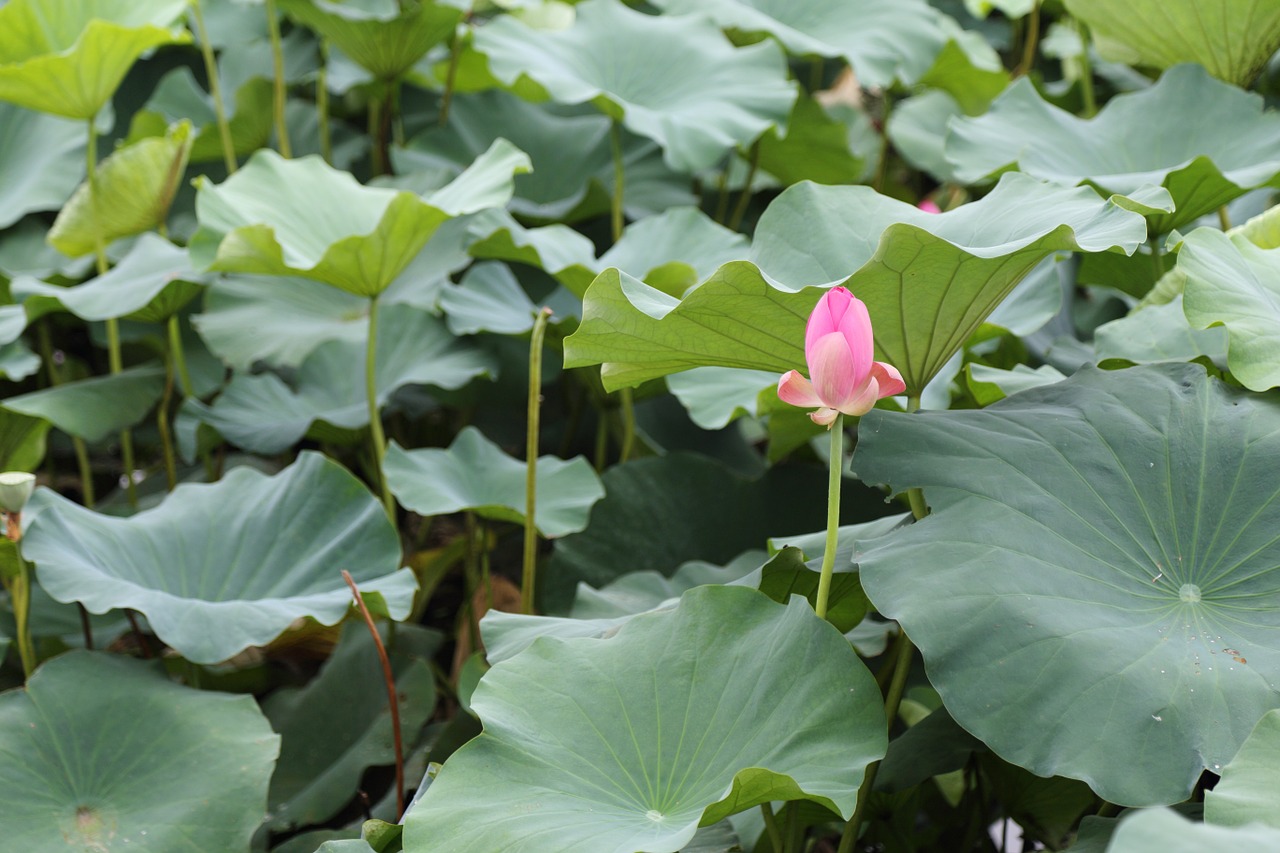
(390, 678)
(619, 180)
(143, 643)
(215, 89)
(77, 443)
(377, 437)
(1224, 218)
(451, 76)
(744, 199)
(722, 193)
(176, 352)
(322, 103)
(19, 589)
(377, 136)
(278, 90)
(528, 577)
(85, 628)
(1086, 73)
(1157, 262)
(771, 826)
(602, 443)
(627, 397)
(114, 357)
(882, 167)
(1030, 42)
(833, 517)
(162, 424)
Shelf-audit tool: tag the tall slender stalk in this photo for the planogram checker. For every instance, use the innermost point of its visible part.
(833, 517)
(619, 179)
(179, 357)
(114, 357)
(322, 103)
(162, 424)
(215, 89)
(744, 199)
(1086, 73)
(390, 678)
(19, 589)
(377, 437)
(278, 90)
(1030, 42)
(528, 575)
(451, 76)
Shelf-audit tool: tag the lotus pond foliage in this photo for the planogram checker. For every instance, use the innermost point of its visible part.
(472, 426)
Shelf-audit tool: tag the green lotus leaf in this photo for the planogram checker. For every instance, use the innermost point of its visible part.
(281, 320)
(677, 81)
(884, 40)
(42, 158)
(672, 250)
(917, 127)
(217, 568)
(1158, 333)
(928, 280)
(385, 47)
(178, 96)
(615, 745)
(1232, 282)
(94, 408)
(1166, 831)
(1246, 793)
(134, 189)
(261, 413)
(828, 146)
(1096, 589)
(303, 218)
(104, 753)
(991, 384)
(339, 724)
(22, 441)
(488, 299)
(152, 267)
(1232, 40)
(1229, 149)
(24, 251)
(474, 474)
(68, 58)
(715, 396)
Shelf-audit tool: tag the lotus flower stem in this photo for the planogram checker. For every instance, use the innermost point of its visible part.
(1086, 72)
(528, 575)
(114, 357)
(1224, 217)
(215, 88)
(322, 103)
(740, 209)
(77, 443)
(19, 589)
(278, 92)
(392, 701)
(833, 517)
(619, 179)
(376, 434)
(1030, 41)
(179, 357)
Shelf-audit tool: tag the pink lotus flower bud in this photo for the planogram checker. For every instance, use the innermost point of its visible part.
(838, 349)
(929, 206)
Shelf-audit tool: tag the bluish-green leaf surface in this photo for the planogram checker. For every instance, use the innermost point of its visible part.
(221, 567)
(1096, 589)
(102, 753)
(630, 743)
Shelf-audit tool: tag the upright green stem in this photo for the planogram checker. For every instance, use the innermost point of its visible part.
(378, 438)
(882, 167)
(528, 576)
(215, 89)
(19, 589)
(162, 424)
(740, 210)
(451, 76)
(833, 516)
(278, 90)
(619, 179)
(627, 398)
(1086, 73)
(1030, 42)
(771, 826)
(77, 443)
(322, 103)
(179, 357)
(114, 357)
(1157, 263)
(1224, 218)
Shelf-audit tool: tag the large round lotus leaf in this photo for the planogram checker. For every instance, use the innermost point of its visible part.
(42, 159)
(884, 40)
(683, 717)
(261, 413)
(929, 280)
(1249, 790)
(1230, 148)
(1166, 831)
(97, 407)
(132, 193)
(677, 81)
(1097, 588)
(1232, 282)
(103, 754)
(385, 47)
(221, 567)
(67, 58)
(304, 218)
(152, 267)
(178, 96)
(474, 474)
(1233, 39)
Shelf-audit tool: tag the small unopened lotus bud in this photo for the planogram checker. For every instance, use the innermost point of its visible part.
(15, 490)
